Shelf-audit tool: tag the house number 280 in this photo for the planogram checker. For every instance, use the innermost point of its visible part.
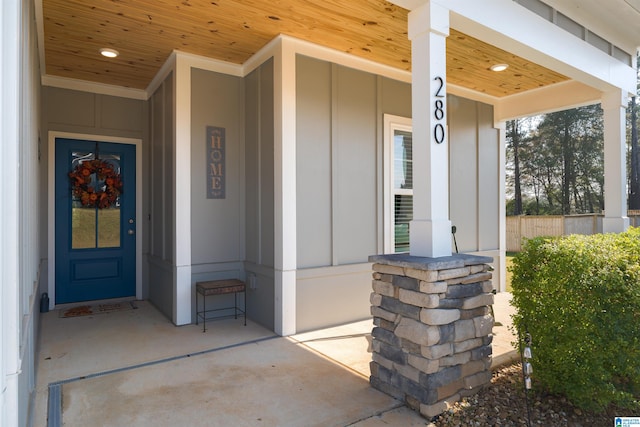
(438, 112)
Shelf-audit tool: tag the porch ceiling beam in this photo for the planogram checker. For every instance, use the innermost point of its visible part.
(548, 99)
(535, 39)
(540, 41)
(590, 13)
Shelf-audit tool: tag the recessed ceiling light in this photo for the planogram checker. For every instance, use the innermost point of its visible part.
(499, 67)
(109, 53)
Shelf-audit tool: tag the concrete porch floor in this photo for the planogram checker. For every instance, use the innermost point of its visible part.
(135, 367)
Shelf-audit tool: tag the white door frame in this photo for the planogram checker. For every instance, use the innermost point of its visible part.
(51, 264)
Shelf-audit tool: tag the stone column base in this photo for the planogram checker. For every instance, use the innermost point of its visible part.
(432, 328)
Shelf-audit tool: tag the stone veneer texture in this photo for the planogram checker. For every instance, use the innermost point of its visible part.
(432, 328)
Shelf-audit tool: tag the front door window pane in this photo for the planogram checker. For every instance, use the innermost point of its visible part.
(403, 163)
(83, 219)
(109, 227)
(92, 227)
(403, 208)
(83, 227)
(402, 188)
(109, 218)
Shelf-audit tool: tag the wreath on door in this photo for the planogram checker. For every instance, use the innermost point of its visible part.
(102, 193)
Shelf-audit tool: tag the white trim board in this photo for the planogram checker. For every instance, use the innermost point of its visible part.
(92, 87)
(391, 124)
(182, 179)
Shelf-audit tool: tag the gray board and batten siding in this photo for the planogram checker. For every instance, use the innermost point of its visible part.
(340, 184)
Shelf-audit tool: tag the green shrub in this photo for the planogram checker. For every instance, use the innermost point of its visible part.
(579, 298)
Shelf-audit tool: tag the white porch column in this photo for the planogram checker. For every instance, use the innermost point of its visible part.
(430, 234)
(615, 167)
(285, 258)
(182, 237)
(10, 317)
(501, 126)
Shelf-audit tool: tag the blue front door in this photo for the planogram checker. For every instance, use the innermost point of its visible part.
(95, 223)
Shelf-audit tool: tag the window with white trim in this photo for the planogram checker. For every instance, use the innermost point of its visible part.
(398, 172)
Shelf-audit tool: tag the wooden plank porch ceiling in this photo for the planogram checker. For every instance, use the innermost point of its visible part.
(145, 32)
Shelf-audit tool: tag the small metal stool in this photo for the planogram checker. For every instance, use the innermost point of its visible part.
(220, 287)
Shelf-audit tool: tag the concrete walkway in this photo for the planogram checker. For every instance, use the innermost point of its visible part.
(135, 368)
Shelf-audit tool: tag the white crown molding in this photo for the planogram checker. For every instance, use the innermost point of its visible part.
(86, 86)
(40, 34)
(260, 57)
(532, 102)
(300, 47)
(210, 64)
(168, 66)
(409, 4)
(306, 48)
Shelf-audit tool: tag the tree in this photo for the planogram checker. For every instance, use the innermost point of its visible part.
(513, 135)
(542, 170)
(557, 162)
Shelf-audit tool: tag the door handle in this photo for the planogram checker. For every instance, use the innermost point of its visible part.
(131, 232)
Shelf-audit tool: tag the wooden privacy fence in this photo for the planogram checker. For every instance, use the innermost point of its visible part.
(528, 226)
